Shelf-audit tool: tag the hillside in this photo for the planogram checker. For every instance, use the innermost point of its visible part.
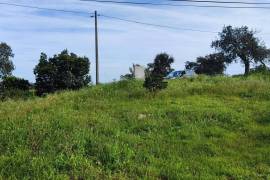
(203, 128)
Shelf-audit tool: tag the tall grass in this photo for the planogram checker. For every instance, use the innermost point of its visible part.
(201, 128)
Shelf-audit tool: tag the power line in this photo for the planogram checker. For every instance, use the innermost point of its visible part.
(118, 18)
(178, 5)
(161, 26)
(112, 17)
(222, 2)
(156, 25)
(47, 9)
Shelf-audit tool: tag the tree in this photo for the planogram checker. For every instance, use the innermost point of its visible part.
(156, 72)
(162, 64)
(241, 43)
(63, 71)
(211, 64)
(6, 65)
(45, 73)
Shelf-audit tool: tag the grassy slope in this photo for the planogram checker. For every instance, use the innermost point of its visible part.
(206, 128)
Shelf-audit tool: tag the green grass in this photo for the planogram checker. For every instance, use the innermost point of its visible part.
(203, 128)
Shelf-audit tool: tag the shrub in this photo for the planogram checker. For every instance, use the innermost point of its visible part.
(15, 88)
(260, 69)
(212, 64)
(15, 83)
(154, 82)
(156, 72)
(63, 71)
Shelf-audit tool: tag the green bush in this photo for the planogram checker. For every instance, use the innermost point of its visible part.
(156, 72)
(260, 69)
(63, 71)
(15, 83)
(15, 88)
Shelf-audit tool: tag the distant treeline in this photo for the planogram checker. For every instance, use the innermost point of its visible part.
(61, 72)
(233, 45)
(69, 71)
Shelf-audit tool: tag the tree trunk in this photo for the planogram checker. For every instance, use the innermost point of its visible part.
(247, 68)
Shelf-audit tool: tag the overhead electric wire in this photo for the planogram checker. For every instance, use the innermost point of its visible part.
(156, 25)
(47, 9)
(113, 17)
(106, 16)
(223, 2)
(178, 5)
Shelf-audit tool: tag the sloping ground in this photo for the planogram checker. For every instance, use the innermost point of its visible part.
(204, 128)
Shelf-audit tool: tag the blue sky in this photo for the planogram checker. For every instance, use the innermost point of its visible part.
(30, 32)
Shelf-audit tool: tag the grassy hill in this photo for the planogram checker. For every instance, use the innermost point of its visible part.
(203, 128)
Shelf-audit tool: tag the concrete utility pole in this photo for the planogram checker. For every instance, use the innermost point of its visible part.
(96, 42)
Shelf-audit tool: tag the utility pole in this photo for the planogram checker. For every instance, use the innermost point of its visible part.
(96, 42)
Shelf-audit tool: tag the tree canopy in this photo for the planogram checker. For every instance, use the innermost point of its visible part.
(63, 71)
(156, 72)
(212, 64)
(241, 43)
(162, 64)
(6, 64)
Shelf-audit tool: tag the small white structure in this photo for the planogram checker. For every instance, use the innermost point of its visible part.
(189, 73)
(138, 71)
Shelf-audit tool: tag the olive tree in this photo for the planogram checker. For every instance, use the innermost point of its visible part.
(241, 44)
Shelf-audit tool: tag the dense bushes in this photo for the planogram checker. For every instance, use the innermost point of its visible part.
(63, 71)
(15, 83)
(212, 64)
(13, 87)
(260, 69)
